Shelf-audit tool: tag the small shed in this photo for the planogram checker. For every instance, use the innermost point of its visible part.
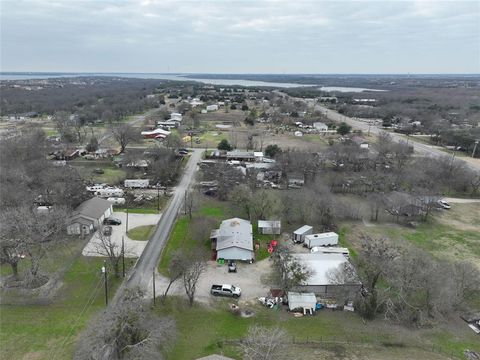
(299, 234)
(297, 300)
(269, 227)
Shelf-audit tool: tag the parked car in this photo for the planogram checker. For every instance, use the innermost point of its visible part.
(445, 205)
(226, 290)
(107, 230)
(232, 266)
(112, 221)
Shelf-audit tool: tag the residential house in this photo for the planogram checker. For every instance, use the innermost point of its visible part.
(88, 216)
(321, 127)
(233, 240)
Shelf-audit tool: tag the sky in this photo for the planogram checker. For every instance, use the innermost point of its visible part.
(321, 37)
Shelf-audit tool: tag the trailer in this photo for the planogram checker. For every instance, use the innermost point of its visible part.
(323, 239)
(137, 183)
(299, 234)
(330, 250)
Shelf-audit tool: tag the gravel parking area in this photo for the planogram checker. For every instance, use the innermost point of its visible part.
(249, 277)
(133, 248)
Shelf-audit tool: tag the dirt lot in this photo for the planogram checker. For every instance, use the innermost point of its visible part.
(249, 277)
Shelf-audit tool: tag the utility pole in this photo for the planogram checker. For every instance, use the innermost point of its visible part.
(154, 295)
(475, 148)
(104, 272)
(158, 198)
(123, 255)
(126, 223)
(185, 202)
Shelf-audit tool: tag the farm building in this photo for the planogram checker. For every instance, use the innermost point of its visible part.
(245, 155)
(233, 240)
(88, 216)
(331, 274)
(269, 227)
(299, 234)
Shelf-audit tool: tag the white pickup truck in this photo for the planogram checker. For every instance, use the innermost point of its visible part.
(226, 290)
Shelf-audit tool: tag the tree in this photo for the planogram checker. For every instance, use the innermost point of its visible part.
(127, 330)
(92, 145)
(288, 272)
(176, 268)
(224, 145)
(104, 245)
(124, 134)
(343, 129)
(189, 203)
(272, 150)
(196, 264)
(376, 257)
(172, 141)
(24, 232)
(262, 343)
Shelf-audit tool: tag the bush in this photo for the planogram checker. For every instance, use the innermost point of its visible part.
(224, 145)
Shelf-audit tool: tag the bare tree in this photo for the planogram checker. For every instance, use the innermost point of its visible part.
(288, 272)
(24, 231)
(128, 330)
(263, 343)
(374, 262)
(195, 266)
(104, 245)
(176, 268)
(124, 134)
(189, 203)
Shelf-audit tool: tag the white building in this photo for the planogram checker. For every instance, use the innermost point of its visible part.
(330, 273)
(269, 227)
(212, 107)
(233, 240)
(301, 301)
(88, 216)
(319, 126)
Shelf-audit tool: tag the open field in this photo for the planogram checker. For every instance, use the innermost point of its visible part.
(452, 234)
(350, 337)
(141, 233)
(50, 331)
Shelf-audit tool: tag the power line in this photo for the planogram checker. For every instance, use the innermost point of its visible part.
(88, 303)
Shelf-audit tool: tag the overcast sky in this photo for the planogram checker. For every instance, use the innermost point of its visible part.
(240, 36)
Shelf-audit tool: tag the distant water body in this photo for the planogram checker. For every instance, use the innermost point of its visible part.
(176, 77)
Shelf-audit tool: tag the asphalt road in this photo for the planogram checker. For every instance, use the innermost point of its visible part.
(143, 271)
(418, 147)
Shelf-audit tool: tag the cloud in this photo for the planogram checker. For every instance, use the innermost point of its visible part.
(239, 36)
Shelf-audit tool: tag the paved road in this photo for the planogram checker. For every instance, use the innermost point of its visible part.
(142, 273)
(418, 147)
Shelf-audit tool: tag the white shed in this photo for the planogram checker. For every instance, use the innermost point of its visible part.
(299, 234)
(269, 227)
(297, 300)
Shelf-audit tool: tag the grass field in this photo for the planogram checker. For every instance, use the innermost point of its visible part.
(50, 331)
(142, 233)
(214, 325)
(208, 208)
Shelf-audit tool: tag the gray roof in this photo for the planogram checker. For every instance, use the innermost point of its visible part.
(269, 223)
(303, 230)
(235, 232)
(215, 357)
(93, 208)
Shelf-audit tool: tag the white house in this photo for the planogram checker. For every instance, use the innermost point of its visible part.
(176, 117)
(233, 240)
(88, 216)
(269, 227)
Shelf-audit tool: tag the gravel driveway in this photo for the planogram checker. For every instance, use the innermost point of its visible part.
(133, 248)
(248, 277)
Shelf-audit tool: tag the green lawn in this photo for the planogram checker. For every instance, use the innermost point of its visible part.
(48, 331)
(207, 207)
(214, 325)
(178, 238)
(142, 233)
